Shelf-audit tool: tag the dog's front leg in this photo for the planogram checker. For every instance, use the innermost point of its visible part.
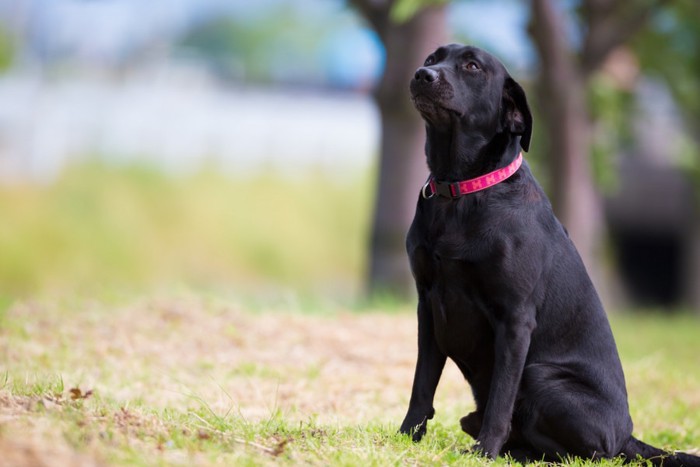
(512, 341)
(429, 366)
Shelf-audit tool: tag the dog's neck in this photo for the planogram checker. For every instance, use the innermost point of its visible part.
(458, 155)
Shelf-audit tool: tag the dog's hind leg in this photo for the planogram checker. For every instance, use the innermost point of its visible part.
(516, 447)
(471, 424)
(560, 415)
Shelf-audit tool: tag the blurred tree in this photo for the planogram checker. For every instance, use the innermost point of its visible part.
(233, 49)
(7, 49)
(280, 46)
(670, 50)
(569, 59)
(409, 30)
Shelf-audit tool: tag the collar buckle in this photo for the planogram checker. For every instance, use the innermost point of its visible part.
(429, 184)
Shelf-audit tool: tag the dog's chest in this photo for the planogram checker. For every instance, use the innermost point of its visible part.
(452, 253)
(461, 326)
(455, 297)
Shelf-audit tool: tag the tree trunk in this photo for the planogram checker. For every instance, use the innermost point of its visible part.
(691, 291)
(692, 272)
(563, 83)
(562, 100)
(402, 166)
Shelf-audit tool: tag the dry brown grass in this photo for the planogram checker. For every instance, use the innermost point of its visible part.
(339, 368)
(187, 380)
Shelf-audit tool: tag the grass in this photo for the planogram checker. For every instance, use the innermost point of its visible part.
(188, 379)
(199, 372)
(102, 227)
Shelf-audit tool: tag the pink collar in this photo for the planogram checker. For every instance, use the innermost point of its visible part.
(456, 189)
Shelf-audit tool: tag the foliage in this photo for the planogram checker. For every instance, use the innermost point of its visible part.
(99, 227)
(610, 107)
(670, 50)
(281, 46)
(7, 49)
(403, 10)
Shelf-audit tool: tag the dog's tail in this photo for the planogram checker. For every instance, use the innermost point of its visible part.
(638, 450)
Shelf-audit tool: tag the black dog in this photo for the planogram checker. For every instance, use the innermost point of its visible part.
(501, 288)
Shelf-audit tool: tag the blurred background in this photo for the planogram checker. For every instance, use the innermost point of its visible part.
(268, 148)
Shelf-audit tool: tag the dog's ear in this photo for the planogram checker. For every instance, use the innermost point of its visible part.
(515, 113)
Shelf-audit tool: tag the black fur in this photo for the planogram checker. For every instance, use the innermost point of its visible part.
(502, 290)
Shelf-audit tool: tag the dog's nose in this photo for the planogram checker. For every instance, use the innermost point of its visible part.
(426, 74)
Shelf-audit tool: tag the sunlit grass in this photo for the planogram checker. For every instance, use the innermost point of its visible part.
(193, 380)
(208, 371)
(101, 227)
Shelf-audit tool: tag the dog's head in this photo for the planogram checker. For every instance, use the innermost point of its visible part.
(470, 85)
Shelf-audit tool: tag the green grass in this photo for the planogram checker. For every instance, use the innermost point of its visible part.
(191, 380)
(100, 227)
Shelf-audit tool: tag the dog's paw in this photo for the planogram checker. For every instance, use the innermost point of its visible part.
(482, 449)
(416, 422)
(415, 430)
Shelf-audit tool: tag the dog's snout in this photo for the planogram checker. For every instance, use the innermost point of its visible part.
(427, 75)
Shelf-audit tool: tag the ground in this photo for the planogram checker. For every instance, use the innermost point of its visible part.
(195, 380)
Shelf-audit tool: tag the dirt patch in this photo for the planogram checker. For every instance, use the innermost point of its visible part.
(27, 440)
(41, 452)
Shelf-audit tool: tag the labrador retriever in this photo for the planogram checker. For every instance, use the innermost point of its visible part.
(502, 290)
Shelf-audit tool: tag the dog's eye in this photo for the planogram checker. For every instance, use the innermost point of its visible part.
(471, 66)
(429, 61)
